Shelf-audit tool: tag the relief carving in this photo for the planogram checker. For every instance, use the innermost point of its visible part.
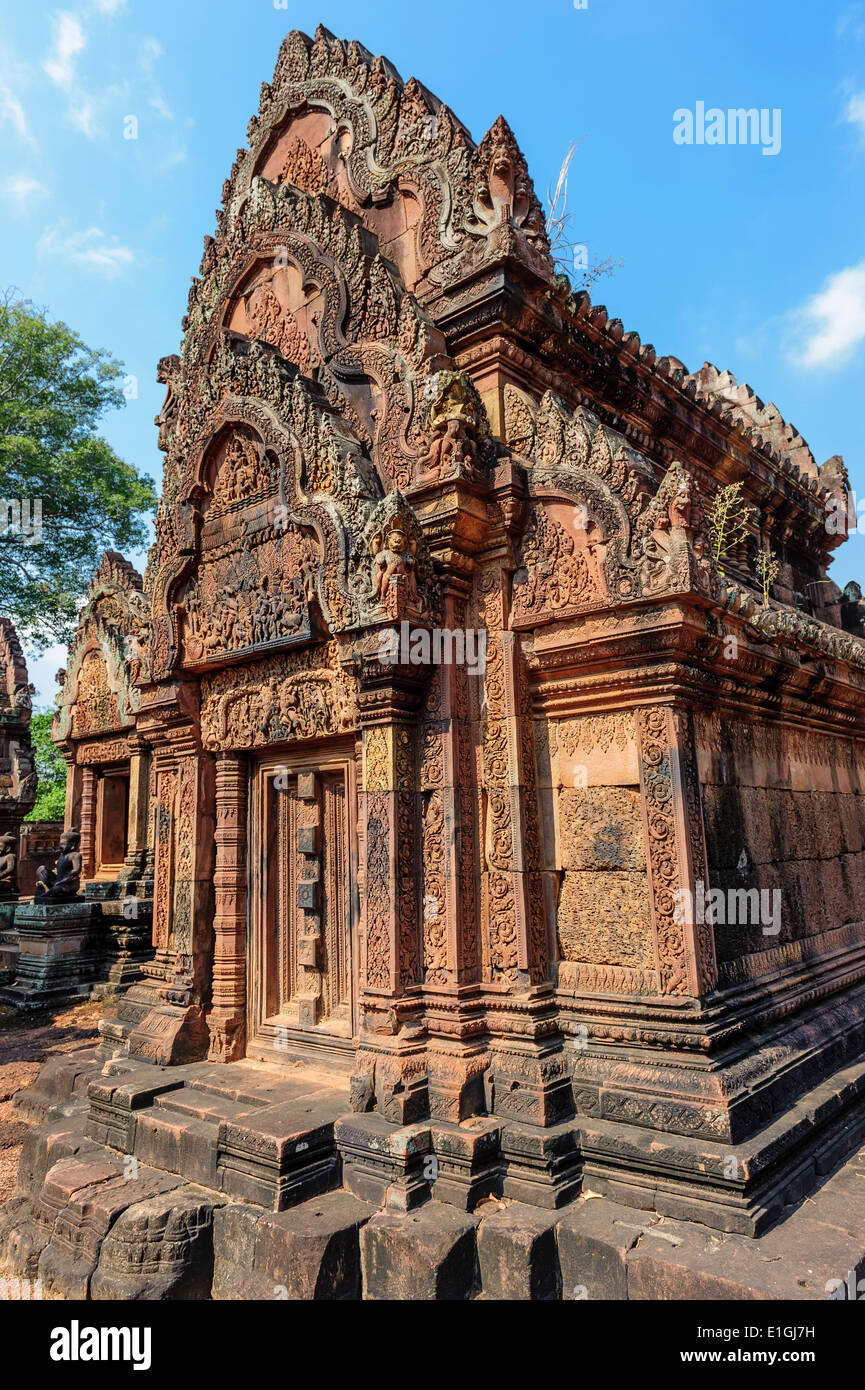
(391, 563)
(242, 472)
(303, 694)
(270, 320)
(657, 777)
(456, 423)
(95, 709)
(561, 568)
(251, 597)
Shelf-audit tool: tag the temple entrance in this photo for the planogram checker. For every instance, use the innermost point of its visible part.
(303, 905)
(112, 810)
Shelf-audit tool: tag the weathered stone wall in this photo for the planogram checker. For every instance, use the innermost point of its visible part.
(784, 811)
(594, 837)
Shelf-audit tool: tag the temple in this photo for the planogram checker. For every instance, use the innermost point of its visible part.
(439, 718)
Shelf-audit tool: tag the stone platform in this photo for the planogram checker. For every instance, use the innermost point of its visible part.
(253, 1181)
(9, 946)
(60, 946)
(95, 945)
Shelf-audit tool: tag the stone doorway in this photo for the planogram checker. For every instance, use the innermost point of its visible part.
(112, 812)
(303, 906)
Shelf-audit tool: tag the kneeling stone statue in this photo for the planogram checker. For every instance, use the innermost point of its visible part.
(61, 884)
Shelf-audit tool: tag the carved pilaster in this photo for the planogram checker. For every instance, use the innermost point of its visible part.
(391, 956)
(137, 817)
(89, 790)
(389, 1067)
(227, 1018)
(676, 852)
(165, 803)
(175, 1029)
(516, 949)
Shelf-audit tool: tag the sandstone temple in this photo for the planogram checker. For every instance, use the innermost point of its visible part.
(426, 929)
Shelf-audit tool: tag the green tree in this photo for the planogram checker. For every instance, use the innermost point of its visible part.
(50, 769)
(53, 392)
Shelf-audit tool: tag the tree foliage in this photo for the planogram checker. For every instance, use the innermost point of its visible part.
(50, 769)
(53, 392)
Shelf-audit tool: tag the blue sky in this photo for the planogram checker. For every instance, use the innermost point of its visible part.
(755, 262)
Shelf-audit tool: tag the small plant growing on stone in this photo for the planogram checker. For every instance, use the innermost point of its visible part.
(571, 257)
(729, 518)
(767, 567)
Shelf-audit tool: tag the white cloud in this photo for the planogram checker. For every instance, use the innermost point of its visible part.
(23, 187)
(12, 110)
(160, 106)
(82, 115)
(60, 65)
(178, 155)
(90, 250)
(851, 21)
(108, 6)
(831, 323)
(854, 111)
(69, 41)
(150, 50)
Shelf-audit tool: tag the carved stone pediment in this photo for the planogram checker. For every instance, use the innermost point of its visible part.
(95, 708)
(109, 657)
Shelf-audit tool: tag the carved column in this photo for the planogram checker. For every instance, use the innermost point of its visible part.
(676, 851)
(89, 787)
(451, 870)
(529, 1080)
(136, 823)
(150, 838)
(164, 814)
(227, 1018)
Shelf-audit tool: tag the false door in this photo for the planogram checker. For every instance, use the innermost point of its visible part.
(302, 862)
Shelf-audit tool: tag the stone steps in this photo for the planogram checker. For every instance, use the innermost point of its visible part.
(178, 1143)
(203, 1198)
(92, 1230)
(202, 1105)
(251, 1085)
(245, 1130)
